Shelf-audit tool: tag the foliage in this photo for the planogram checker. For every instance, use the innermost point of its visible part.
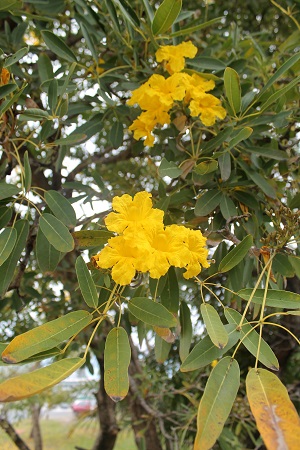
(225, 162)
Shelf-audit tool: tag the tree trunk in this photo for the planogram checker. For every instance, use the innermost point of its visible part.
(9, 429)
(107, 416)
(36, 429)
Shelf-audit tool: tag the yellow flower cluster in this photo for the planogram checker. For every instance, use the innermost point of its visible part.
(144, 244)
(158, 95)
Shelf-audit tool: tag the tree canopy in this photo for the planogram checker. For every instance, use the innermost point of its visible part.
(150, 213)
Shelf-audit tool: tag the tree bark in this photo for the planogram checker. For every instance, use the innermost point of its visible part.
(36, 429)
(11, 432)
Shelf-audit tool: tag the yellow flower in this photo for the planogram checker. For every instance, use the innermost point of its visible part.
(175, 55)
(164, 247)
(195, 243)
(133, 214)
(208, 108)
(123, 256)
(4, 77)
(196, 85)
(146, 122)
(168, 89)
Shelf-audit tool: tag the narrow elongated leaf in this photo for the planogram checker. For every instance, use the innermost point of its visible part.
(47, 256)
(57, 233)
(151, 312)
(7, 89)
(34, 114)
(86, 283)
(57, 46)
(214, 326)
(216, 402)
(262, 183)
(8, 239)
(9, 4)
(113, 15)
(227, 207)
(91, 46)
(52, 95)
(207, 202)
(61, 208)
(7, 269)
(162, 349)
(7, 190)
(170, 293)
(16, 57)
(91, 238)
(190, 30)
(224, 162)
(117, 356)
(241, 136)
(275, 298)
(232, 89)
(278, 94)
(10, 101)
(27, 172)
(29, 384)
(46, 336)
(214, 143)
(205, 351)
(186, 331)
(275, 415)
(166, 15)
(236, 255)
(5, 216)
(128, 13)
(251, 338)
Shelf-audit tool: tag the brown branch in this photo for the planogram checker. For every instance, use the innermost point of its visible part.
(11, 432)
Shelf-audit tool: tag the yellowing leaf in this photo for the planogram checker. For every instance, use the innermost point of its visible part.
(117, 355)
(29, 384)
(276, 417)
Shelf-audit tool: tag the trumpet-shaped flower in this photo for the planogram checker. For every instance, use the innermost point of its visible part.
(123, 256)
(196, 85)
(134, 213)
(208, 108)
(195, 243)
(174, 56)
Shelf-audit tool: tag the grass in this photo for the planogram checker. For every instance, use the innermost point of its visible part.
(56, 436)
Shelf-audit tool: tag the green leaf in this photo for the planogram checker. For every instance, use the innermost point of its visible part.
(57, 233)
(6, 89)
(170, 293)
(251, 338)
(241, 136)
(191, 30)
(9, 4)
(90, 44)
(282, 265)
(205, 351)
(116, 134)
(5, 215)
(34, 114)
(8, 239)
(57, 46)
(186, 331)
(61, 208)
(259, 180)
(284, 68)
(45, 67)
(224, 162)
(52, 95)
(128, 13)
(204, 167)
(72, 139)
(208, 63)
(218, 140)
(113, 15)
(236, 255)
(151, 312)
(27, 172)
(46, 336)
(117, 356)
(8, 190)
(91, 238)
(275, 298)
(232, 89)
(165, 16)
(268, 152)
(10, 101)
(227, 207)
(207, 202)
(162, 349)
(214, 326)
(169, 169)
(7, 269)
(217, 400)
(37, 381)
(86, 283)
(278, 94)
(47, 256)
(16, 57)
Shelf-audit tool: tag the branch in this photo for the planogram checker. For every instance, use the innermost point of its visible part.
(9, 429)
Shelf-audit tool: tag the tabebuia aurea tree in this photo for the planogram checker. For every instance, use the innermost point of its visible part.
(150, 213)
